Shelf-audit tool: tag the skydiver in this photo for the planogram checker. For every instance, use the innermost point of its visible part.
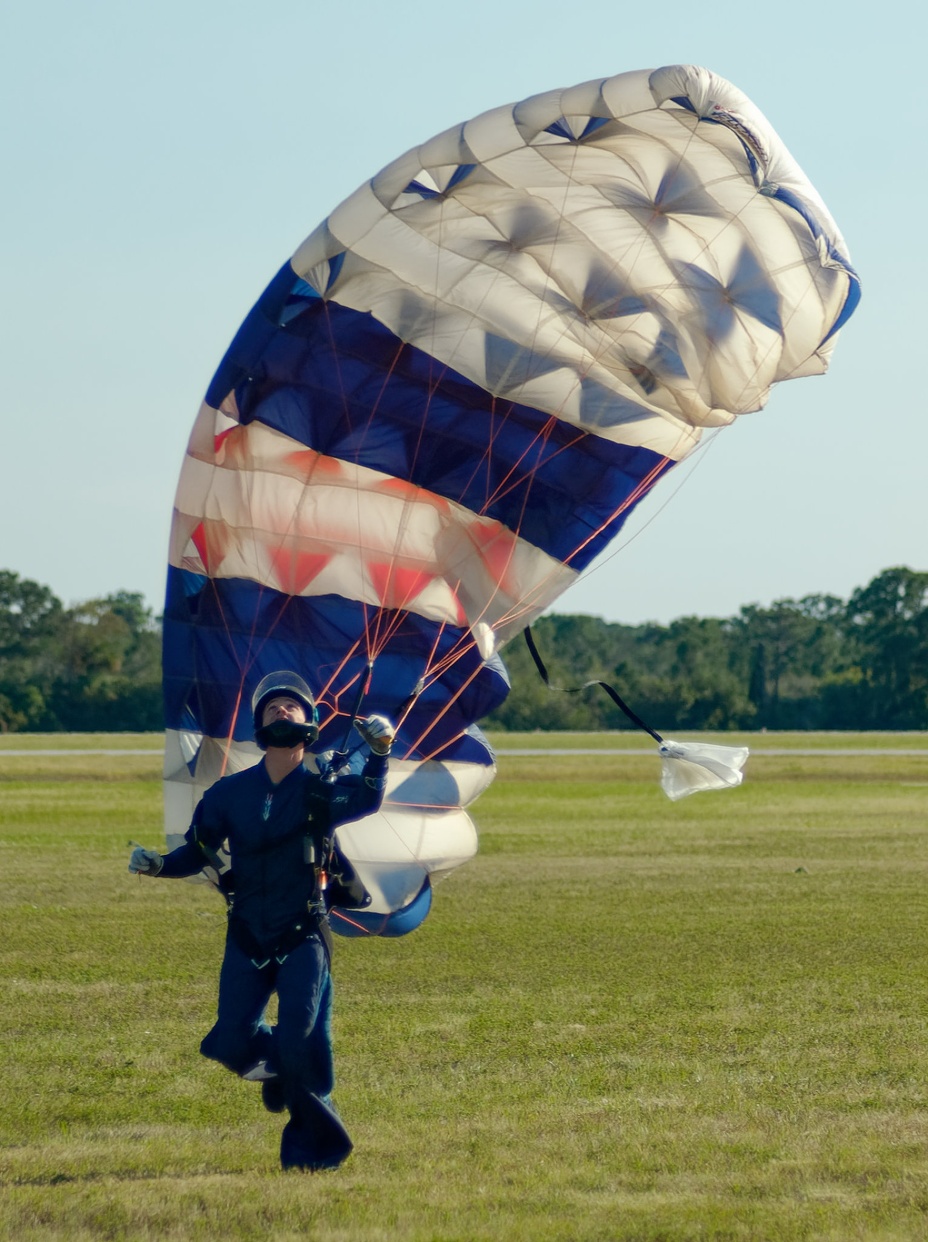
(278, 819)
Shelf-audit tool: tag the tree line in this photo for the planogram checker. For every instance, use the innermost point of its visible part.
(94, 667)
(814, 663)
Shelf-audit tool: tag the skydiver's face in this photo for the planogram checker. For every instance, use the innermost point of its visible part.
(283, 708)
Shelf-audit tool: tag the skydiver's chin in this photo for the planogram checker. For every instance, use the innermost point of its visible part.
(286, 735)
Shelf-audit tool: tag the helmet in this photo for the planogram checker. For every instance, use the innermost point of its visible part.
(284, 682)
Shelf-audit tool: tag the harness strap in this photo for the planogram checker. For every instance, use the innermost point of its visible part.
(291, 938)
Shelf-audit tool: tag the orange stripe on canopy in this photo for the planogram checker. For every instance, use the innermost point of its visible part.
(396, 586)
(295, 570)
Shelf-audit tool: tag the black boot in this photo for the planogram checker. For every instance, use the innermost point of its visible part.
(314, 1138)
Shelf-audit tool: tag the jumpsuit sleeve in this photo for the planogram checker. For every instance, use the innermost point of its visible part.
(353, 797)
(186, 860)
(205, 834)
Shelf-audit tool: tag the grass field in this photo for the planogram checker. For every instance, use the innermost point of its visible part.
(626, 1019)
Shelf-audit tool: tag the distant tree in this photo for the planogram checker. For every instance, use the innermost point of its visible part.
(757, 686)
(31, 628)
(784, 652)
(110, 674)
(888, 622)
(96, 666)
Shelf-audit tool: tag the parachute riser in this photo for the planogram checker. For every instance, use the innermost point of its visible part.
(339, 756)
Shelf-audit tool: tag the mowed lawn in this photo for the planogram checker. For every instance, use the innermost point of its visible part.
(625, 1019)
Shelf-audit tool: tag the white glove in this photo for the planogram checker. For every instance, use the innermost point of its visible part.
(145, 862)
(377, 732)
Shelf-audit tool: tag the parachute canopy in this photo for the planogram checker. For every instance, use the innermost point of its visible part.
(446, 404)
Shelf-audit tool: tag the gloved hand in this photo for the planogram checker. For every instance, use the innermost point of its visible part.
(145, 862)
(377, 732)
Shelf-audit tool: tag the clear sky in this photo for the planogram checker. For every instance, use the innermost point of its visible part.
(162, 159)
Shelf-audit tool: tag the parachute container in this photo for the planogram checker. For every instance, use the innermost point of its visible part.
(447, 403)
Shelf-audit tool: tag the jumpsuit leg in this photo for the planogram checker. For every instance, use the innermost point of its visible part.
(241, 1037)
(314, 1137)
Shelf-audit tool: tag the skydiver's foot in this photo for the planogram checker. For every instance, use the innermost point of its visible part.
(318, 1142)
(272, 1095)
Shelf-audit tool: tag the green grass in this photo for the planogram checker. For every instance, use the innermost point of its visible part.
(80, 741)
(626, 1019)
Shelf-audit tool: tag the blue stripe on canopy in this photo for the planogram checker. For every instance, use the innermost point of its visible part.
(223, 636)
(853, 292)
(341, 383)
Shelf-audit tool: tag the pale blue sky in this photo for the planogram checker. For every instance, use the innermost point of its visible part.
(163, 159)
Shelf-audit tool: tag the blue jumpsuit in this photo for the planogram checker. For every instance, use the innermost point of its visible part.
(275, 942)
